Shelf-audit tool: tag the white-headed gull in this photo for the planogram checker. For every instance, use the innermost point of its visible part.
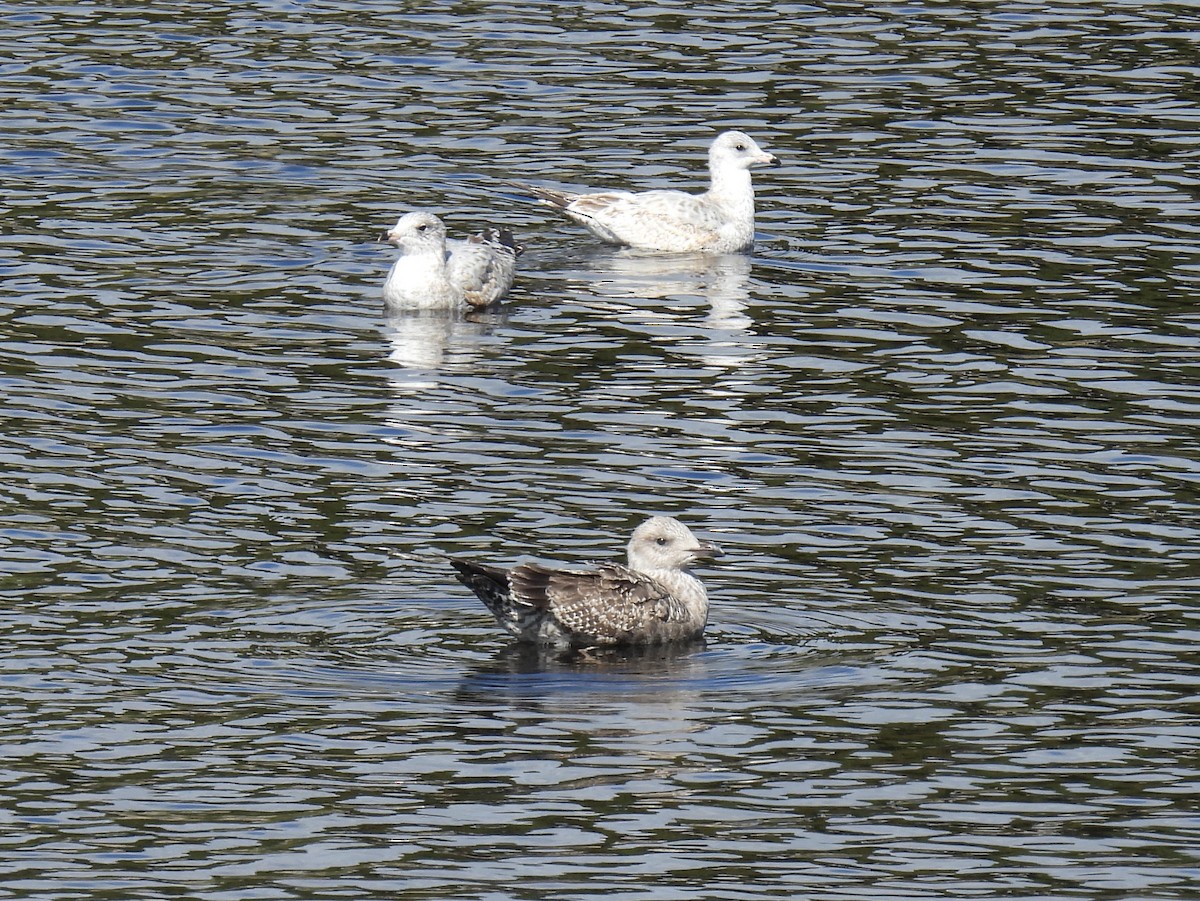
(654, 600)
(721, 220)
(435, 272)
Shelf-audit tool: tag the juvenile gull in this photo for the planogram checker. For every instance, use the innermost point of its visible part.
(653, 600)
(721, 220)
(435, 272)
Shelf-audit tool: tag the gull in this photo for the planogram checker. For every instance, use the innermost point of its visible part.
(721, 220)
(653, 600)
(433, 272)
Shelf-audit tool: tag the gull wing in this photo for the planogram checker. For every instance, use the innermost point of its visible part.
(483, 266)
(648, 219)
(605, 603)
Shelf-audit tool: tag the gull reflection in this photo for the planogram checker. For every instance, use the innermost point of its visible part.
(634, 661)
(431, 339)
(426, 348)
(721, 279)
(554, 681)
(725, 337)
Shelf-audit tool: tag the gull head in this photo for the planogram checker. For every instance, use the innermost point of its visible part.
(737, 150)
(415, 232)
(664, 543)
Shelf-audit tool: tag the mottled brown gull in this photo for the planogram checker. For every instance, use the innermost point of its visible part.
(721, 220)
(653, 600)
(435, 272)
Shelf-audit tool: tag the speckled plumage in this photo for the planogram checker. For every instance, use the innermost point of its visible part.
(721, 220)
(652, 600)
(435, 272)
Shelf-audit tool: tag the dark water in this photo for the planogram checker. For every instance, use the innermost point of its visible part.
(945, 423)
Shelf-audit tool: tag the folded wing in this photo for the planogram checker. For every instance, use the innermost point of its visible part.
(483, 266)
(607, 603)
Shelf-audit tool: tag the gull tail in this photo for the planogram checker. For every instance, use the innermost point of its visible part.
(560, 200)
(504, 238)
(490, 584)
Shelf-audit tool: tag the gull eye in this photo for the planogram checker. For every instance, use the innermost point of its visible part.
(662, 541)
(741, 147)
(422, 228)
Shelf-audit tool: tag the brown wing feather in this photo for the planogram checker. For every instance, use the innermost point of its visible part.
(605, 603)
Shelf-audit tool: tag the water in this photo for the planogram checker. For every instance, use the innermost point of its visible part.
(944, 423)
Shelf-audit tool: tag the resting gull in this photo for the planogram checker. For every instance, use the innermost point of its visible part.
(435, 272)
(653, 600)
(721, 220)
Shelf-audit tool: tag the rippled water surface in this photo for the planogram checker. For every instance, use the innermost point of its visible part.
(945, 422)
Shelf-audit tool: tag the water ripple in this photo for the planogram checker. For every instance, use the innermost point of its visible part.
(943, 422)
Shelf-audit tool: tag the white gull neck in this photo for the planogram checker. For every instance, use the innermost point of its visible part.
(686, 589)
(731, 187)
(419, 278)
